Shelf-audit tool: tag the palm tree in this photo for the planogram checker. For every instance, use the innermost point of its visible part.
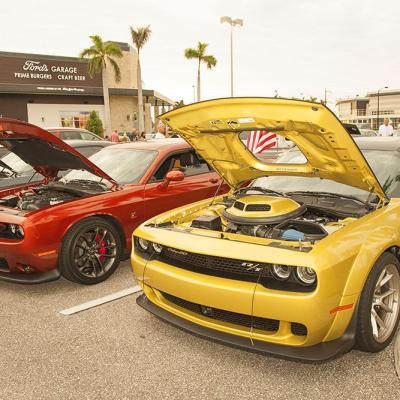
(99, 54)
(179, 104)
(140, 36)
(200, 54)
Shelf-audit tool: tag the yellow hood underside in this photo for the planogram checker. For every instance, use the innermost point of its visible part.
(213, 127)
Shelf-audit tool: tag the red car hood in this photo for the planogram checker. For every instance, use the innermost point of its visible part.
(46, 153)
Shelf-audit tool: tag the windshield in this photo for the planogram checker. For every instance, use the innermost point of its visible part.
(385, 165)
(123, 165)
(17, 164)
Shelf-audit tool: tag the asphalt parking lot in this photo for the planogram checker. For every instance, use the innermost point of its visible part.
(118, 351)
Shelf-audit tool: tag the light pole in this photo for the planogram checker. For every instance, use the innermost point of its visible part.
(377, 113)
(232, 23)
(194, 93)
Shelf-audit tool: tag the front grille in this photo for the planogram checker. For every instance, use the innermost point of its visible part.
(258, 207)
(298, 329)
(265, 324)
(4, 264)
(216, 266)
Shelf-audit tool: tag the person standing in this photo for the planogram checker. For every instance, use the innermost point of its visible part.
(385, 129)
(160, 134)
(114, 136)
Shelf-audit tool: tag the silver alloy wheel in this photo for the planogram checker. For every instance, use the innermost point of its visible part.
(385, 303)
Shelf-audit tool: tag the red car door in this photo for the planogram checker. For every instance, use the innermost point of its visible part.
(200, 183)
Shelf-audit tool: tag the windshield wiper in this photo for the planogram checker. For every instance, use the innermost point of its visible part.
(261, 190)
(329, 194)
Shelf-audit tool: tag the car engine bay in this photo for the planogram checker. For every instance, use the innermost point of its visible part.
(41, 196)
(300, 218)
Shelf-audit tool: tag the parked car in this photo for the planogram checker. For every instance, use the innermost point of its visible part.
(368, 132)
(65, 133)
(352, 129)
(303, 263)
(80, 226)
(15, 172)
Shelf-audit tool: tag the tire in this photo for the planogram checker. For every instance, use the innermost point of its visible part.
(371, 335)
(90, 251)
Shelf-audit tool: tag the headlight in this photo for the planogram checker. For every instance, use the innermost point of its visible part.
(281, 272)
(157, 248)
(17, 230)
(305, 275)
(143, 244)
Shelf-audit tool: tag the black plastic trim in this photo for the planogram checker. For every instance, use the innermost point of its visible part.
(317, 353)
(30, 279)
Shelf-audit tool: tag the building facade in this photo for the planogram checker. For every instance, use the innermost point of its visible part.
(51, 91)
(371, 109)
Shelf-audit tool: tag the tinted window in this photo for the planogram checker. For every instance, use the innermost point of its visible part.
(88, 136)
(70, 135)
(188, 162)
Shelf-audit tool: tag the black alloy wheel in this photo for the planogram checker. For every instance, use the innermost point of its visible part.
(90, 251)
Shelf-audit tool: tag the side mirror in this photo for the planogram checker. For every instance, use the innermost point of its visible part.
(172, 176)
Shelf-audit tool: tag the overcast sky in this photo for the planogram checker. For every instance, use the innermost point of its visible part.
(293, 46)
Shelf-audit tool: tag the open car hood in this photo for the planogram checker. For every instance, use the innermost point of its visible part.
(46, 153)
(213, 128)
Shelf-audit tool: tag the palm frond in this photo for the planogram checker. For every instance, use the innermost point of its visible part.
(201, 48)
(210, 61)
(117, 71)
(97, 42)
(191, 53)
(95, 66)
(113, 50)
(88, 53)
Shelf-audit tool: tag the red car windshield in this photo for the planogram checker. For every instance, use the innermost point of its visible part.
(123, 165)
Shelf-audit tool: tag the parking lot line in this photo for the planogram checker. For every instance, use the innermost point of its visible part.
(101, 300)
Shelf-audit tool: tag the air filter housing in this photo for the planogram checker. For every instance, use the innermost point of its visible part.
(262, 209)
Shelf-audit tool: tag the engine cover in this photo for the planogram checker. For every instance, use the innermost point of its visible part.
(263, 209)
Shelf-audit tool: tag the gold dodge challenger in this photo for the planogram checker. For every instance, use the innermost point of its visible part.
(303, 262)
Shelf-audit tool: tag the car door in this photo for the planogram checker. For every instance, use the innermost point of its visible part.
(200, 182)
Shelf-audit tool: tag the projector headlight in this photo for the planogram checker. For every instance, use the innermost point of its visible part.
(157, 248)
(143, 244)
(17, 231)
(281, 272)
(306, 276)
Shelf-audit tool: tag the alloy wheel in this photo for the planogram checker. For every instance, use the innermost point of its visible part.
(385, 303)
(94, 252)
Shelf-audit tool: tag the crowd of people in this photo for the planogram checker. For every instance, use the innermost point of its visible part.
(162, 132)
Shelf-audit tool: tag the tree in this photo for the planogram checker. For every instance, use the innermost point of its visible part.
(100, 54)
(179, 104)
(199, 54)
(140, 37)
(94, 124)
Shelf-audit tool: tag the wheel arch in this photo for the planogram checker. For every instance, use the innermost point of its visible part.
(108, 217)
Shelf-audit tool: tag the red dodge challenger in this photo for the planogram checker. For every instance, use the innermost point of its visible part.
(80, 226)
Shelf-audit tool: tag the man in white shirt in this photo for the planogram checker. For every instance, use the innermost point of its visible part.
(160, 134)
(385, 129)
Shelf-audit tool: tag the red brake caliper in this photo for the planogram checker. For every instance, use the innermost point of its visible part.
(102, 249)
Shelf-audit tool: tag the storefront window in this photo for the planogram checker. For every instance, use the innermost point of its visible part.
(74, 119)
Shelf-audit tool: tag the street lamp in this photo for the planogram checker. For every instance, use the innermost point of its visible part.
(232, 23)
(377, 114)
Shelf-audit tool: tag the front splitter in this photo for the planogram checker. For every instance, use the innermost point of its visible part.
(317, 353)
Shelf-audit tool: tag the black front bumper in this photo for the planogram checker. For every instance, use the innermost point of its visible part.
(30, 279)
(317, 353)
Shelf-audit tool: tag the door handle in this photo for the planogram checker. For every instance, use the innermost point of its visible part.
(213, 180)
